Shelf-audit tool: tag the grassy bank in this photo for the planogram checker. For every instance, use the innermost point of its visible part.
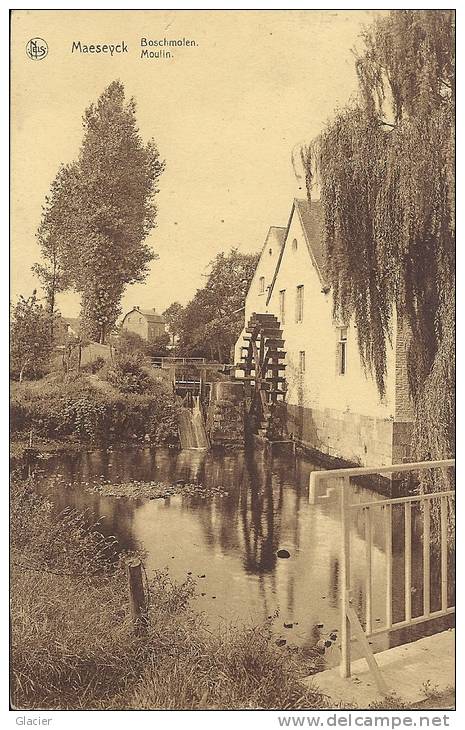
(110, 406)
(73, 644)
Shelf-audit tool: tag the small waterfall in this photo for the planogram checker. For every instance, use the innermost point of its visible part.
(192, 432)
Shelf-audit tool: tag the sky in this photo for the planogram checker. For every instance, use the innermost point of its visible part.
(225, 113)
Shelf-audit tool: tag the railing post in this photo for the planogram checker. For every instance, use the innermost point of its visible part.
(345, 577)
(443, 519)
(426, 557)
(312, 488)
(408, 560)
(388, 549)
(369, 573)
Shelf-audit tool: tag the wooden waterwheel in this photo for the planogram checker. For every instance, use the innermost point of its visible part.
(263, 366)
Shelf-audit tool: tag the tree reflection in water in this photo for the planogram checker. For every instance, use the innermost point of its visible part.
(234, 537)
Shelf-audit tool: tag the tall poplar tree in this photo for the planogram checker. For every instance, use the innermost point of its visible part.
(385, 166)
(104, 210)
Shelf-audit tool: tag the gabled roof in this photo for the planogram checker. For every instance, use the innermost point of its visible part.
(280, 235)
(150, 315)
(311, 220)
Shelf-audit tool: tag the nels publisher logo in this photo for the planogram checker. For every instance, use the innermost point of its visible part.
(37, 49)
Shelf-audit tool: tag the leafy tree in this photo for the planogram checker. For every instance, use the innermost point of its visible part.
(158, 347)
(30, 338)
(193, 340)
(173, 317)
(386, 174)
(212, 320)
(130, 343)
(103, 209)
(53, 273)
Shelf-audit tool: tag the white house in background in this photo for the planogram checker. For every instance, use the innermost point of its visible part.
(333, 406)
(146, 323)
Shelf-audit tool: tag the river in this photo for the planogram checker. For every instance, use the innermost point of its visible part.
(229, 543)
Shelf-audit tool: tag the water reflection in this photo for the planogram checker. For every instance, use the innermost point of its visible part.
(229, 543)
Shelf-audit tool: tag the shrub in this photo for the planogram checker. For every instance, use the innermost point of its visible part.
(81, 409)
(127, 375)
(129, 343)
(159, 347)
(94, 366)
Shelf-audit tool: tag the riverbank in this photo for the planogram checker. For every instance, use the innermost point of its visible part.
(74, 645)
(105, 408)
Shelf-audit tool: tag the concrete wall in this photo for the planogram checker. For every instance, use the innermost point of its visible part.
(93, 351)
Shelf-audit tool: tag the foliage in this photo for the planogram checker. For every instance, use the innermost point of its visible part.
(102, 209)
(73, 643)
(386, 173)
(53, 273)
(92, 411)
(233, 668)
(94, 366)
(212, 320)
(127, 375)
(130, 343)
(30, 338)
(173, 316)
(158, 347)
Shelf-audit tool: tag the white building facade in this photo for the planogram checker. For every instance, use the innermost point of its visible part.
(333, 406)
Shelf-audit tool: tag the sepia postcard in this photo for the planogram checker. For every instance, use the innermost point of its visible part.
(232, 364)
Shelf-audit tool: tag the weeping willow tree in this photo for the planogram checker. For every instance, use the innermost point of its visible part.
(385, 169)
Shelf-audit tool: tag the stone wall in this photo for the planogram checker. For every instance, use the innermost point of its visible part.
(350, 436)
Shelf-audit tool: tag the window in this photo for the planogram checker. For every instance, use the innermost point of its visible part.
(294, 244)
(302, 361)
(270, 251)
(261, 285)
(282, 305)
(299, 304)
(342, 351)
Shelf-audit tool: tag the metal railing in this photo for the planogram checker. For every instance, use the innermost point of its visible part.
(350, 623)
(165, 362)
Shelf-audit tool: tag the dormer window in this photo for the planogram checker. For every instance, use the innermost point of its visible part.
(261, 285)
